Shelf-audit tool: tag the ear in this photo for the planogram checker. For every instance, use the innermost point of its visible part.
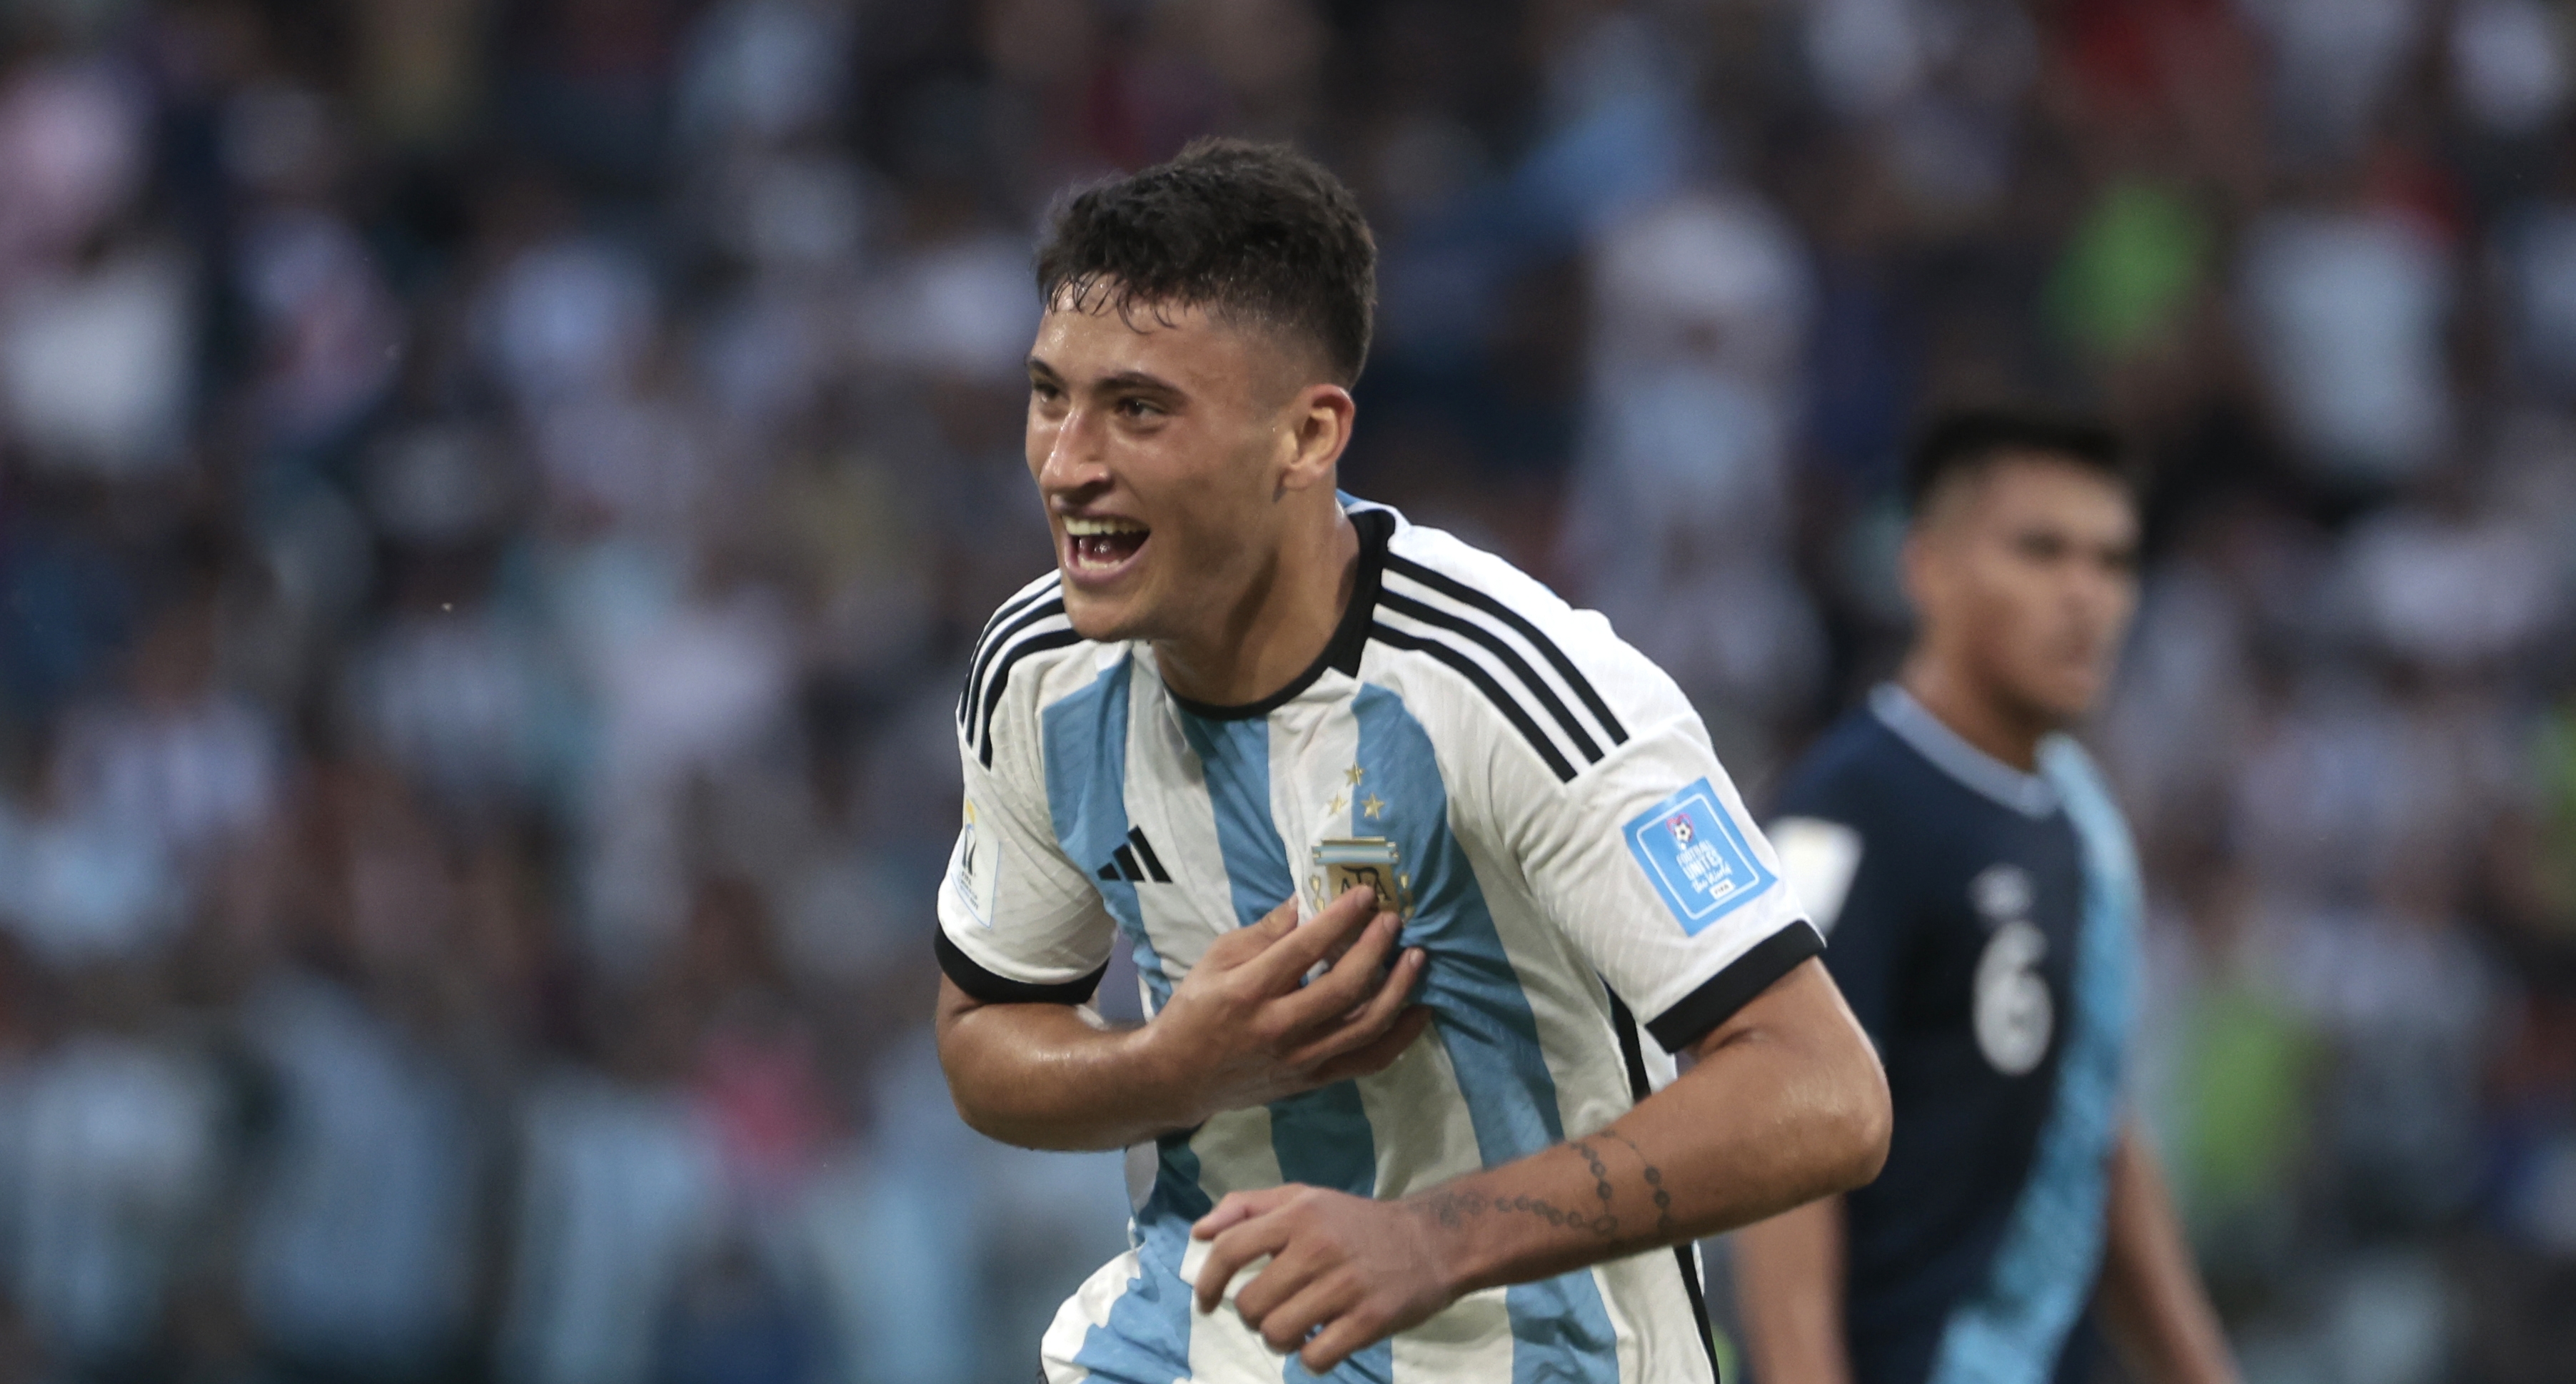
(1920, 569)
(1317, 428)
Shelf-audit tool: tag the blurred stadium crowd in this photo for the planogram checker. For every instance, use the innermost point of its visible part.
(494, 495)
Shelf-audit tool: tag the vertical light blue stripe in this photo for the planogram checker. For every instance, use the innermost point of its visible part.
(1147, 1338)
(1321, 1138)
(2013, 1331)
(1561, 1331)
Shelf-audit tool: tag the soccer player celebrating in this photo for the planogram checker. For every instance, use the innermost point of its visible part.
(1982, 897)
(1400, 843)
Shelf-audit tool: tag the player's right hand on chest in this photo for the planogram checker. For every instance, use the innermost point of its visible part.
(1241, 1030)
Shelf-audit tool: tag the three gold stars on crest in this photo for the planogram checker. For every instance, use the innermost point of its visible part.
(1371, 806)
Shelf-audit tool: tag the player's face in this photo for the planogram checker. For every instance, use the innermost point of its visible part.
(1159, 445)
(2030, 579)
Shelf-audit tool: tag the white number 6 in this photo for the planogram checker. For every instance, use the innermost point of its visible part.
(2014, 1014)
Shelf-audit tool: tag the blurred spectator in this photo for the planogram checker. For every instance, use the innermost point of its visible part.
(619, 1196)
(361, 1250)
(2346, 310)
(114, 1165)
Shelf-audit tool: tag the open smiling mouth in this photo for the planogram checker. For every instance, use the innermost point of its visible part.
(1099, 547)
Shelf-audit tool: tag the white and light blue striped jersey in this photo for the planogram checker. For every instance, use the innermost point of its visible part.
(1544, 805)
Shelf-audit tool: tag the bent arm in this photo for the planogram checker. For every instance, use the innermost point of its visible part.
(2150, 1296)
(1051, 1076)
(1786, 1104)
(1240, 1030)
(1789, 1277)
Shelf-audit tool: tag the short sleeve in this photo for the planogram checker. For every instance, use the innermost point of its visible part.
(1650, 863)
(1848, 893)
(1019, 922)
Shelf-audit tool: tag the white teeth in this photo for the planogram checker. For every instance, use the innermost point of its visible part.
(1094, 528)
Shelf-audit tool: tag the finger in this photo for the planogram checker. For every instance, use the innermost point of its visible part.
(1365, 1025)
(1295, 953)
(1324, 1299)
(1378, 1055)
(1238, 1207)
(1244, 943)
(1288, 1271)
(1340, 990)
(1230, 1252)
(1347, 1334)
(1393, 992)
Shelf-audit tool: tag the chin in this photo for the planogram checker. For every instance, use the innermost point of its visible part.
(2066, 705)
(2055, 703)
(1103, 620)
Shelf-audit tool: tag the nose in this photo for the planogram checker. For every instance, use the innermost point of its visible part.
(2097, 594)
(1066, 453)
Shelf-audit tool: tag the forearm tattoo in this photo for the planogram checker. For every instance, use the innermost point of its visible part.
(1454, 1208)
(1666, 1228)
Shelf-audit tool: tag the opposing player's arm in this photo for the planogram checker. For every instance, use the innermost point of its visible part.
(1238, 1031)
(1785, 1104)
(2150, 1296)
(1791, 1269)
(1789, 1277)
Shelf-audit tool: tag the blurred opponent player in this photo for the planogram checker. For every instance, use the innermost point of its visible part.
(1982, 898)
(1264, 732)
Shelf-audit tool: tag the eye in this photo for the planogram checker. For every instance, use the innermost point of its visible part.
(2040, 547)
(1134, 407)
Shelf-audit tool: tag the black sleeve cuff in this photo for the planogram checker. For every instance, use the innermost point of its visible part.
(1703, 1009)
(992, 989)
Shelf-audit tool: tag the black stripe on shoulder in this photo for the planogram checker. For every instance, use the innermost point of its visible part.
(1005, 622)
(985, 637)
(1697, 1014)
(985, 643)
(984, 985)
(980, 735)
(1475, 673)
(1039, 592)
(1457, 590)
(991, 647)
(1511, 660)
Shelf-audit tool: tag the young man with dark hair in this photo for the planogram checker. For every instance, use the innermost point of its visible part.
(1982, 898)
(1399, 841)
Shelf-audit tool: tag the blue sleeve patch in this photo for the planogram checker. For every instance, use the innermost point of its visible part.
(1689, 846)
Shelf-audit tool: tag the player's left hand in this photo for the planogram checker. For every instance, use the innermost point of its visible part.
(1344, 1271)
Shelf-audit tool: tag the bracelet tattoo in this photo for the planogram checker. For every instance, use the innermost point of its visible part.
(1666, 1228)
(1451, 1208)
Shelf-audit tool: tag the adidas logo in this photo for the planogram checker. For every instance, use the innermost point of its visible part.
(1135, 862)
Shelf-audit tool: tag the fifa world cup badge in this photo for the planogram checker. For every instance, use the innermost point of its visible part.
(1343, 864)
(974, 868)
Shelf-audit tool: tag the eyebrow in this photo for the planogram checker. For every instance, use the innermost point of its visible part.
(1138, 379)
(1124, 379)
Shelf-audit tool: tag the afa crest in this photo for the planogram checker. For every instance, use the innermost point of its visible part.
(1343, 864)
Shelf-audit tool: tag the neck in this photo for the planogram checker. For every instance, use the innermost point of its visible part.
(1276, 627)
(1974, 712)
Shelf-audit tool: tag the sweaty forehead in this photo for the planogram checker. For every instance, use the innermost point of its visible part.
(1190, 344)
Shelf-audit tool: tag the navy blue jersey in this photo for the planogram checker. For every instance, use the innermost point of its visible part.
(1981, 921)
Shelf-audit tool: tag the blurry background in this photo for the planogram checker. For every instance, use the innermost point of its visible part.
(494, 495)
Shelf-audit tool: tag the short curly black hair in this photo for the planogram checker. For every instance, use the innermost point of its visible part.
(1255, 234)
(1961, 441)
